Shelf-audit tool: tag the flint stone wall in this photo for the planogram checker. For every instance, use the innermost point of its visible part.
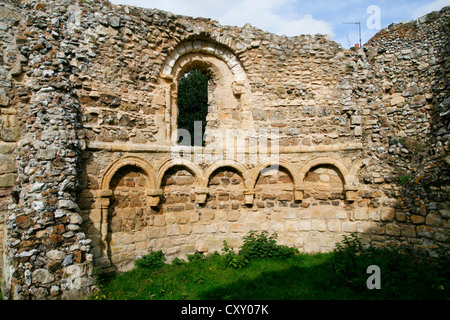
(89, 176)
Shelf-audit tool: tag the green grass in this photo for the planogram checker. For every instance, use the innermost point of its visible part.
(300, 277)
(264, 270)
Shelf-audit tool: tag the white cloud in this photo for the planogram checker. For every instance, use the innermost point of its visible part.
(305, 25)
(427, 8)
(269, 15)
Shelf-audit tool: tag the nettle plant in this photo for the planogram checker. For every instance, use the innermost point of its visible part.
(153, 260)
(257, 246)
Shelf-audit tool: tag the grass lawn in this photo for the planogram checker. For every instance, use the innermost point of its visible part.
(300, 277)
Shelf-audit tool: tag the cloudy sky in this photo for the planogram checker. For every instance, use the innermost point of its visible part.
(295, 17)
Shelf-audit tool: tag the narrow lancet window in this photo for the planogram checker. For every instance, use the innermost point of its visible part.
(192, 108)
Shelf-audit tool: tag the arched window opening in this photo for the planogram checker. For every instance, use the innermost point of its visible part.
(192, 108)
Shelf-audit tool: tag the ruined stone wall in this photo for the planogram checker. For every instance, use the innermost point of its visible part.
(129, 105)
(46, 252)
(411, 70)
(358, 140)
(10, 67)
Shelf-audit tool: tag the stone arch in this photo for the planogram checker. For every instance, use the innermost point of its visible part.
(178, 186)
(208, 47)
(257, 170)
(325, 161)
(274, 186)
(147, 197)
(114, 167)
(226, 185)
(128, 214)
(349, 181)
(287, 165)
(195, 170)
(227, 92)
(240, 168)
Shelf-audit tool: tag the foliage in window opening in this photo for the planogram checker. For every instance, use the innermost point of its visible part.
(193, 105)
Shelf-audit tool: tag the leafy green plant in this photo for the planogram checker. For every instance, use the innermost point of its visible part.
(400, 271)
(264, 245)
(404, 180)
(439, 269)
(153, 260)
(178, 261)
(257, 246)
(232, 258)
(346, 263)
(196, 257)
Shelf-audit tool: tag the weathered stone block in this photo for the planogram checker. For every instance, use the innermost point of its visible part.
(172, 230)
(393, 229)
(183, 217)
(233, 216)
(356, 119)
(318, 225)
(10, 134)
(156, 232)
(424, 231)
(277, 227)
(7, 180)
(211, 228)
(434, 219)
(417, 219)
(291, 226)
(408, 231)
(357, 131)
(42, 276)
(238, 228)
(198, 229)
(397, 99)
(24, 221)
(341, 214)
(291, 214)
(334, 226)
(349, 226)
(185, 229)
(378, 228)
(361, 214)
(206, 215)
(387, 214)
(364, 227)
(374, 214)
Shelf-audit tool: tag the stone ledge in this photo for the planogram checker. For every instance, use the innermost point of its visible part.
(134, 147)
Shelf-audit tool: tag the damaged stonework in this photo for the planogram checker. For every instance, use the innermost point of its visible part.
(320, 141)
(47, 251)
